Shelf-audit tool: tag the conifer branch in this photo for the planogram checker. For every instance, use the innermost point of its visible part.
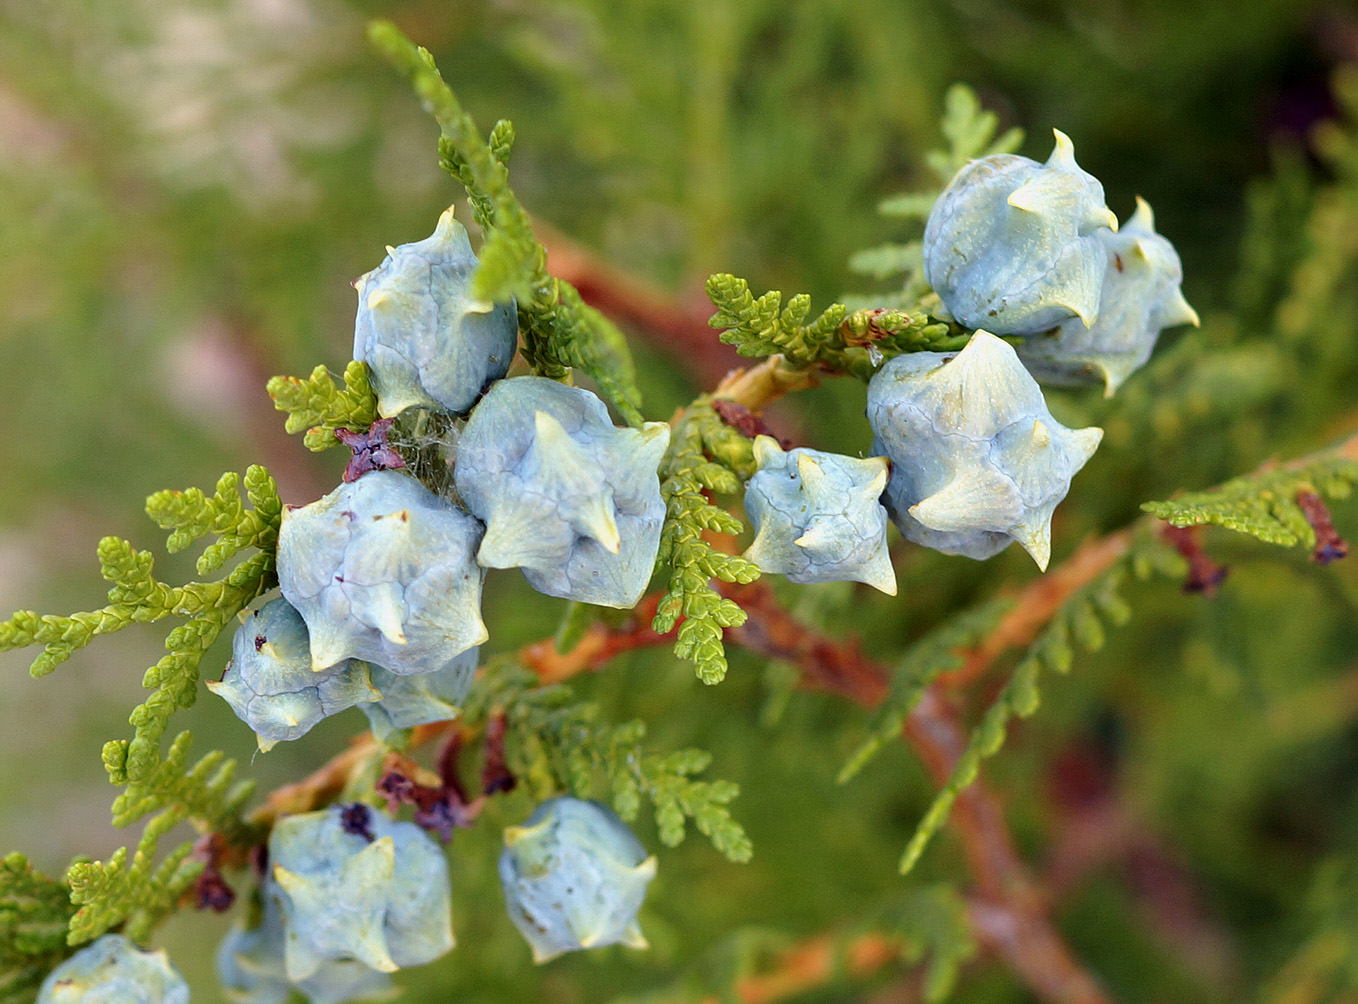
(136, 596)
(560, 331)
(319, 407)
(1009, 913)
(938, 652)
(686, 475)
(1079, 617)
(555, 742)
(136, 895)
(192, 515)
(206, 793)
(34, 913)
(1264, 504)
(837, 340)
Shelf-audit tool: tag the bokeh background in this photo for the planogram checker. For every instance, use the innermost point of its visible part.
(188, 186)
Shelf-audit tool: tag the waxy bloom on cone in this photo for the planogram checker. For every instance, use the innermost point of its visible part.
(977, 461)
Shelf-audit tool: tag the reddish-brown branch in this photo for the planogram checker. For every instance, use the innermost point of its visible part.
(1009, 913)
(600, 644)
(1009, 910)
(326, 784)
(1039, 601)
(814, 963)
(838, 667)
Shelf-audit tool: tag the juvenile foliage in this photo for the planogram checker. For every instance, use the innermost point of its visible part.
(34, 913)
(318, 406)
(1264, 504)
(559, 331)
(556, 743)
(685, 474)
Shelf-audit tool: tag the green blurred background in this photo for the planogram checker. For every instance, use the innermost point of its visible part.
(187, 188)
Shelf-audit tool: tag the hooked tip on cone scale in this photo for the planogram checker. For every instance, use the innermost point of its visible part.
(1143, 217)
(596, 518)
(766, 451)
(813, 478)
(1034, 536)
(1063, 152)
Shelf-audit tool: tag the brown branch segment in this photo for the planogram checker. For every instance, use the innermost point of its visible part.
(1008, 911)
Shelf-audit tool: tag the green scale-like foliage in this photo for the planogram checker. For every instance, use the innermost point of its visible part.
(858, 335)
(34, 914)
(317, 406)
(555, 743)
(136, 596)
(560, 331)
(837, 340)
(138, 895)
(705, 455)
(134, 895)
(1081, 620)
(1264, 505)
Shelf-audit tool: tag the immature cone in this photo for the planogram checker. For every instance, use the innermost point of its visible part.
(1140, 296)
(817, 518)
(1012, 246)
(426, 340)
(977, 460)
(112, 970)
(252, 970)
(383, 570)
(384, 902)
(574, 877)
(270, 684)
(566, 496)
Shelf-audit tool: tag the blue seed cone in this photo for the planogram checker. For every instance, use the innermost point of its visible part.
(426, 341)
(384, 570)
(817, 516)
(270, 684)
(251, 967)
(564, 495)
(1012, 245)
(408, 701)
(385, 903)
(1141, 296)
(977, 461)
(112, 970)
(574, 877)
